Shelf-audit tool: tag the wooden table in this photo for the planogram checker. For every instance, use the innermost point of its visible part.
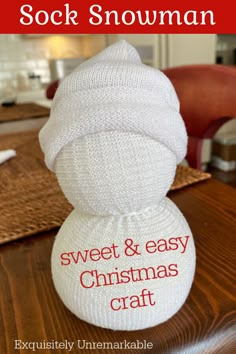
(31, 310)
(24, 116)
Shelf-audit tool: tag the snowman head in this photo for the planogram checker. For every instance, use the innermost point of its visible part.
(115, 134)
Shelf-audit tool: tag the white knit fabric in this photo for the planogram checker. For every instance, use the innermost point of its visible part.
(81, 232)
(115, 172)
(6, 155)
(114, 138)
(114, 91)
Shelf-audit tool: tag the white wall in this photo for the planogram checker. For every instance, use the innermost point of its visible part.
(186, 49)
(227, 130)
(172, 49)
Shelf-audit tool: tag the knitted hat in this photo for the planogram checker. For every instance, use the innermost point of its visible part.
(114, 91)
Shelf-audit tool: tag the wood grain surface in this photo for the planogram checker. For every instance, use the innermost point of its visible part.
(22, 111)
(30, 309)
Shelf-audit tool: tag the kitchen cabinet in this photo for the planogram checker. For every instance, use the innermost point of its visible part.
(184, 49)
(167, 50)
(148, 45)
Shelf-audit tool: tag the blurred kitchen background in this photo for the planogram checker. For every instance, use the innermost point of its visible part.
(29, 63)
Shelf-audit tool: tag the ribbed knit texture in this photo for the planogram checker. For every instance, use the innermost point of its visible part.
(114, 91)
(113, 139)
(115, 172)
(81, 232)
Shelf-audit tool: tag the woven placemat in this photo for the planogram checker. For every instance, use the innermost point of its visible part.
(31, 200)
(186, 176)
(21, 111)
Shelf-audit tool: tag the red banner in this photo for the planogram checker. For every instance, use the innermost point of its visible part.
(96, 16)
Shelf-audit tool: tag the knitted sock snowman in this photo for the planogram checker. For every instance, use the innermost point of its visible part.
(124, 258)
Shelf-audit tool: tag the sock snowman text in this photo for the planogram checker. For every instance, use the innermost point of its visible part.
(124, 258)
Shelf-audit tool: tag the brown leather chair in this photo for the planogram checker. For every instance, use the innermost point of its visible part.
(207, 95)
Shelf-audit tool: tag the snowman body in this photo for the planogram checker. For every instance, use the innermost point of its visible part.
(124, 259)
(124, 292)
(114, 264)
